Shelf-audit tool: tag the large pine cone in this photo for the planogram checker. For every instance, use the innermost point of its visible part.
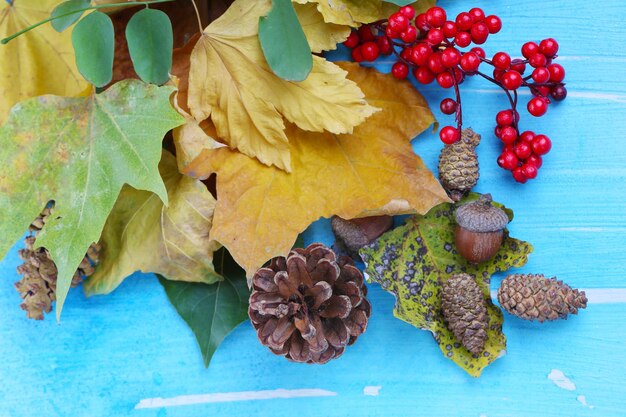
(465, 311)
(39, 273)
(535, 297)
(458, 165)
(310, 305)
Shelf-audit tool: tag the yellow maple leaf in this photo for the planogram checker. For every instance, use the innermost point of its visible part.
(261, 210)
(141, 234)
(230, 81)
(355, 12)
(38, 62)
(322, 36)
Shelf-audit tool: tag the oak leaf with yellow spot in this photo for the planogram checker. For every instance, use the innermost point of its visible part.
(230, 81)
(261, 210)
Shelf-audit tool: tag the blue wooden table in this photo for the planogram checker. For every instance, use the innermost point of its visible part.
(129, 354)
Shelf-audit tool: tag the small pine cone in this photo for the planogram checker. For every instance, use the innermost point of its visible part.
(458, 165)
(465, 311)
(535, 297)
(39, 273)
(310, 305)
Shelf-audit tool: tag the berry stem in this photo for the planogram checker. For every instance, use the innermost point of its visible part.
(458, 114)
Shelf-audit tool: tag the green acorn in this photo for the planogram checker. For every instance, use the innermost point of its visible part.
(458, 165)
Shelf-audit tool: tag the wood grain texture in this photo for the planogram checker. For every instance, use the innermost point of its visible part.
(111, 354)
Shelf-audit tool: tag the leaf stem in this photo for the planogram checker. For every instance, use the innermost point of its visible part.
(195, 7)
(99, 6)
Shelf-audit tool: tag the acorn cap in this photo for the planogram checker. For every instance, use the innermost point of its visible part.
(481, 216)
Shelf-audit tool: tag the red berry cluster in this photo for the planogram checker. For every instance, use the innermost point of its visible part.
(428, 46)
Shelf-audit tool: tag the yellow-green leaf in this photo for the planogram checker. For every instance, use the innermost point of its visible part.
(230, 82)
(322, 36)
(261, 210)
(141, 234)
(38, 62)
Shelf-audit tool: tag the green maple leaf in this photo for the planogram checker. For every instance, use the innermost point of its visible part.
(412, 261)
(79, 152)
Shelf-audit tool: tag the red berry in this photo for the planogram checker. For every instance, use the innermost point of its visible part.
(508, 135)
(463, 39)
(450, 57)
(557, 73)
(541, 75)
(449, 135)
(449, 29)
(511, 80)
(384, 46)
(370, 51)
(509, 160)
(504, 118)
(497, 131)
(549, 47)
(519, 176)
(409, 35)
(357, 56)
(518, 65)
(541, 91)
(436, 16)
(435, 64)
(398, 22)
(421, 23)
(434, 36)
(406, 53)
(459, 75)
(541, 145)
(534, 160)
(477, 14)
(448, 106)
(423, 75)
(389, 31)
(420, 53)
(479, 32)
(523, 150)
(537, 60)
(537, 106)
(352, 41)
(530, 171)
(445, 79)
(464, 21)
(501, 60)
(366, 34)
(529, 49)
(408, 11)
(559, 92)
(478, 51)
(470, 62)
(400, 70)
(493, 23)
(527, 136)
(497, 74)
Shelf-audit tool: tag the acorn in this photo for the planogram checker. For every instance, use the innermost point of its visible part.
(353, 234)
(480, 229)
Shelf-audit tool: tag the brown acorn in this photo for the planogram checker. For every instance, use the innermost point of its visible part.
(480, 229)
(353, 234)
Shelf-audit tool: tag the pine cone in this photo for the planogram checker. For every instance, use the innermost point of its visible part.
(535, 297)
(458, 165)
(39, 273)
(309, 306)
(465, 311)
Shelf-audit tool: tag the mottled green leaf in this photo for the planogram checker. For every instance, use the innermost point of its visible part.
(284, 44)
(79, 152)
(94, 45)
(212, 311)
(68, 13)
(150, 42)
(142, 234)
(412, 261)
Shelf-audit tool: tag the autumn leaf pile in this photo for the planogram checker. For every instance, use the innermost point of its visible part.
(284, 153)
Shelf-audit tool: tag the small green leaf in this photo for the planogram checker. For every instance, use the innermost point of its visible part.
(212, 311)
(150, 42)
(413, 260)
(94, 45)
(61, 23)
(283, 42)
(400, 2)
